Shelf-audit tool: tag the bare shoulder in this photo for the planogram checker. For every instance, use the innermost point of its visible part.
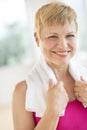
(21, 86)
(20, 114)
(19, 93)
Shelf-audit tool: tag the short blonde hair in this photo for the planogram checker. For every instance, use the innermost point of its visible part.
(54, 13)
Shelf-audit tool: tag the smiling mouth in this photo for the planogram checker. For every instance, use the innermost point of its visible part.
(61, 53)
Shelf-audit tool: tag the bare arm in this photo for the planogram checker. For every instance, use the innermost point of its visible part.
(48, 122)
(23, 120)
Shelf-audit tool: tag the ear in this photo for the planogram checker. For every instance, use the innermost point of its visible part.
(36, 38)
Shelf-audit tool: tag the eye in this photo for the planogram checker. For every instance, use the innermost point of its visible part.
(52, 37)
(70, 36)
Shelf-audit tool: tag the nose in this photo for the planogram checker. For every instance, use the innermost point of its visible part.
(62, 43)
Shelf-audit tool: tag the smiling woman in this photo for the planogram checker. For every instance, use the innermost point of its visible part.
(56, 86)
(81, 9)
(58, 42)
(37, 108)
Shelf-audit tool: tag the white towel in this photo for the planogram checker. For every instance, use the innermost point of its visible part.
(37, 84)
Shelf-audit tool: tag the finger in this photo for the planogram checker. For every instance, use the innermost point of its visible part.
(82, 79)
(77, 88)
(78, 96)
(80, 89)
(80, 83)
(59, 84)
(77, 83)
(50, 84)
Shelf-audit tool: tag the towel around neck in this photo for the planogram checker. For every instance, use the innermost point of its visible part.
(38, 80)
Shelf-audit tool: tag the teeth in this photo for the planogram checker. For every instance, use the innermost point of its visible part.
(62, 52)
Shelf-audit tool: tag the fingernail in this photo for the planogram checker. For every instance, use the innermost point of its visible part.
(61, 83)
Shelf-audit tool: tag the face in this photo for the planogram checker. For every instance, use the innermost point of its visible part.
(58, 43)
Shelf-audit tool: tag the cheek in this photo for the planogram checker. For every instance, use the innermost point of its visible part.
(44, 48)
(47, 47)
(73, 44)
(74, 49)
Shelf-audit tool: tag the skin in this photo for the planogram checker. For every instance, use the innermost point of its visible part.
(81, 90)
(58, 45)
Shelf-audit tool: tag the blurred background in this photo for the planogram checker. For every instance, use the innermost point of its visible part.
(18, 51)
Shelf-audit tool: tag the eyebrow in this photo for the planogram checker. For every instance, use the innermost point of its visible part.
(53, 33)
(58, 34)
(71, 32)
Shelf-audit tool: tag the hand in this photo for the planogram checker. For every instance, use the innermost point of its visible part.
(57, 98)
(81, 90)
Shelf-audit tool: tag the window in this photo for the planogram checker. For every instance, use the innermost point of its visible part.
(12, 31)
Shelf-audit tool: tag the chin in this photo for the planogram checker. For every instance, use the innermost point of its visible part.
(61, 62)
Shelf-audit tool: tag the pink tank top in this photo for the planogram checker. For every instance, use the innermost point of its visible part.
(75, 117)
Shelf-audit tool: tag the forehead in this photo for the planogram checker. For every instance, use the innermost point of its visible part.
(59, 29)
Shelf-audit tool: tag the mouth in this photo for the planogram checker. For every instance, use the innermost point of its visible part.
(61, 52)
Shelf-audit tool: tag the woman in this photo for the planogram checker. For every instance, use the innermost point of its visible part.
(54, 96)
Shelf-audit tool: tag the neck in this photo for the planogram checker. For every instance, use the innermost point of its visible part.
(61, 72)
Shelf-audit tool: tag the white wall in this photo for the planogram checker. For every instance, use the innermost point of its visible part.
(9, 76)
